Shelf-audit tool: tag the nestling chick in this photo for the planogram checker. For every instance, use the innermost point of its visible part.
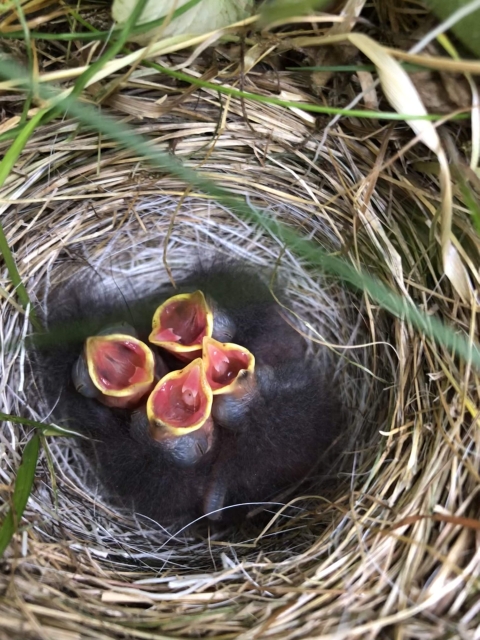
(277, 427)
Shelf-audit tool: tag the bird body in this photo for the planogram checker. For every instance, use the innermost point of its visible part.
(276, 439)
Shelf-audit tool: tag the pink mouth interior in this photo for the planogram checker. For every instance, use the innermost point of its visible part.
(184, 322)
(119, 364)
(181, 401)
(224, 365)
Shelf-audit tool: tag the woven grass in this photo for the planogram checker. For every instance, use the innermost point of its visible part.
(393, 550)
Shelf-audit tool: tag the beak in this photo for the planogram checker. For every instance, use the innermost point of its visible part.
(180, 403)
(180, 324)
(82, 381)
(226, 364)
(117, 369)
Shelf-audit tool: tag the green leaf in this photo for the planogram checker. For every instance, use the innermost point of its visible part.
(467, 30)
(21, 493)
(202, 16)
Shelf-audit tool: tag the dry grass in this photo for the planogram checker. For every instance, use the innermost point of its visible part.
(395, 552)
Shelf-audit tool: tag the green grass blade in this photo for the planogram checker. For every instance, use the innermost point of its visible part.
(9, 159)
(28, 46)
(46, 429)
(470, 199)
(6, 165)
(21, 493)
(305, 106)
(100, 35)
(112, 51)
(432, 327)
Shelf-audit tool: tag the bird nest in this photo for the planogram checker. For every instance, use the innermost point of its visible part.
(392, 548)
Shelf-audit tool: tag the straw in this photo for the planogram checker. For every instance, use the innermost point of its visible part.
(392, 549)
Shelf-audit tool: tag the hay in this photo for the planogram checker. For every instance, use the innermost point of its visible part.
(395, 551)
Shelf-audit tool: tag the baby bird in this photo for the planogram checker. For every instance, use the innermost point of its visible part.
(275, 430)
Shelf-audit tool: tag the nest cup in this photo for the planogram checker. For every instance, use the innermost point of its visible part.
(327, 562)
(144, 252)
